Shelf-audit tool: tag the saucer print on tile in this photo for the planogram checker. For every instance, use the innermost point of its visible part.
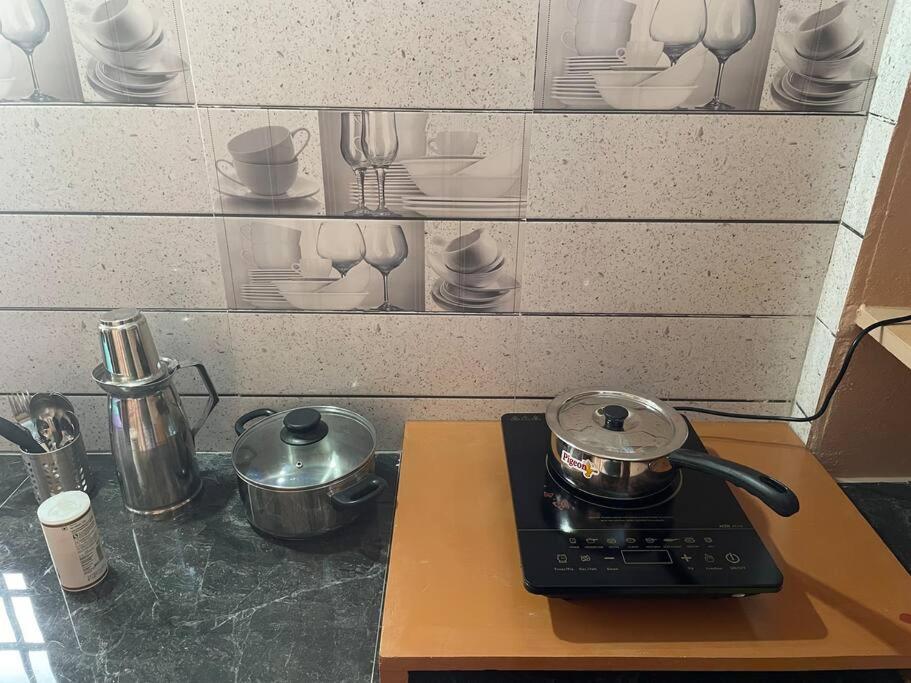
(303, 187)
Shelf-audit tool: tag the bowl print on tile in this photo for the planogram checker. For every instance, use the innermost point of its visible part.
(644, 97)
(453, 143)
(624, 76)
(122, 24)
(827, 32)
(472, 252)
(505, 162)
(326, 301)
(435, 166)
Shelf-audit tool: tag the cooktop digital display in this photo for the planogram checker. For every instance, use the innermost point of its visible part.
(692, 539)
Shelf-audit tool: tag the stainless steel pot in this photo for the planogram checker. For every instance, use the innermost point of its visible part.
(306, 471)
(614, 444)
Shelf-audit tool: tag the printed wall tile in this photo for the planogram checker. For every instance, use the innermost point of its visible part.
(609, 55)
(472, 267)
(694, 358)
(796, 55)
(132, 52)
(57, 350)
(838, 278)
(324, 264)
(757, 268)
(436, 53)
(265, 162)
(102, 159)
(414, 355)
(51, 74)
(815, 364)
(865, 182)
(104, 261)
(824, 55)
(895, 64)
(444, 165)
(668, 166)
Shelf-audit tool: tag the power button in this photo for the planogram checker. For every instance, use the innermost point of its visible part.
(733, 558)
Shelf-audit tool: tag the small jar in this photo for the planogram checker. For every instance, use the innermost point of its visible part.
(72, 538)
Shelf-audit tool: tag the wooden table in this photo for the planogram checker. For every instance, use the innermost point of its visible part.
(455, 601)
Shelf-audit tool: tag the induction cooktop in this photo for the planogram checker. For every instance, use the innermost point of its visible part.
(690, 539)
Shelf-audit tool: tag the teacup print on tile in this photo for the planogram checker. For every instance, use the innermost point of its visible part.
(37, 63)
(430, 164)
(472, 267)
(266, 162)
(653, 54)
(131, 51)
(824, 55)
(324, 265)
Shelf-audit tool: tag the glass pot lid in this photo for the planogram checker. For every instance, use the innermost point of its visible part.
(616, 424)
(304, 448)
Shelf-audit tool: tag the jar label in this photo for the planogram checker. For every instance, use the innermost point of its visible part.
(76, 552)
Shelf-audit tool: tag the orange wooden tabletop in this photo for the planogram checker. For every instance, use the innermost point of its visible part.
(455, 600)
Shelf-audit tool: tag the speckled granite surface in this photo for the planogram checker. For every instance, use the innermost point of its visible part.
(200, 597)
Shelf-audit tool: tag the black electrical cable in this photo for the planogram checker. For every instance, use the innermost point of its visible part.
(829, 394)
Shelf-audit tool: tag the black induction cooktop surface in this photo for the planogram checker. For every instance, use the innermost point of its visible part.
(691, 539)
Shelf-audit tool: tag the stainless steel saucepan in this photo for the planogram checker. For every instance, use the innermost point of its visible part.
(614, 444)
(306, 471)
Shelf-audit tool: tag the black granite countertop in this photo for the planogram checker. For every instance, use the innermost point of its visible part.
(198, 597)
(202, 597)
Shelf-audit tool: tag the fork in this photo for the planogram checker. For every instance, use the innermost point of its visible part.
(18, 404)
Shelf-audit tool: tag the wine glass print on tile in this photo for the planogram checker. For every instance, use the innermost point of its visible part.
(25, 24)
(731, 24)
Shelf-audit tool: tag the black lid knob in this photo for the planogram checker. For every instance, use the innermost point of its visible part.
(303, 426)
(614, 417)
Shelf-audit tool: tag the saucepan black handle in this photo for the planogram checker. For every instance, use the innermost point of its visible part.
(360, 493)
(770, 491)
(242, 421)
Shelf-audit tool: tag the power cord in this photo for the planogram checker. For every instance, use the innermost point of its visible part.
(829, 394)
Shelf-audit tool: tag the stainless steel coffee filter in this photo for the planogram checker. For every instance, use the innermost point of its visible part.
(127, 347)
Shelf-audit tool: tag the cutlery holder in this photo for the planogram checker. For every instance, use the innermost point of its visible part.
(64, 469)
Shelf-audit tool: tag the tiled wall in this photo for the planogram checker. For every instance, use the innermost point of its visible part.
(679, 252)
(888, 94)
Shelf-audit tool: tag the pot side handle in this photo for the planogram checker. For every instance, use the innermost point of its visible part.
(242, 421)
(360, 493)
(770, 491)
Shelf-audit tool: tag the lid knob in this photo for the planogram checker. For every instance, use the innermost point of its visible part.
(303, 426)
(614, 417)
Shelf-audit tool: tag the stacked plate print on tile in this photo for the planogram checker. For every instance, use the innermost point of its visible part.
(398, 186)
(131, 57)
(472, 276)
(457, 183)
(823, 68)
(262, 289)
(576, 88)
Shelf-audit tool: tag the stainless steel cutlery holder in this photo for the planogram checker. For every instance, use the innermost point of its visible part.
(63, 469)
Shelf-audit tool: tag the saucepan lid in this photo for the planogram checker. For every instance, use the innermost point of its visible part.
(303, 448)
(616, 424)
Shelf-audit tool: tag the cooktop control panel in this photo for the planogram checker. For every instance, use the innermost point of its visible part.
(671, 561)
